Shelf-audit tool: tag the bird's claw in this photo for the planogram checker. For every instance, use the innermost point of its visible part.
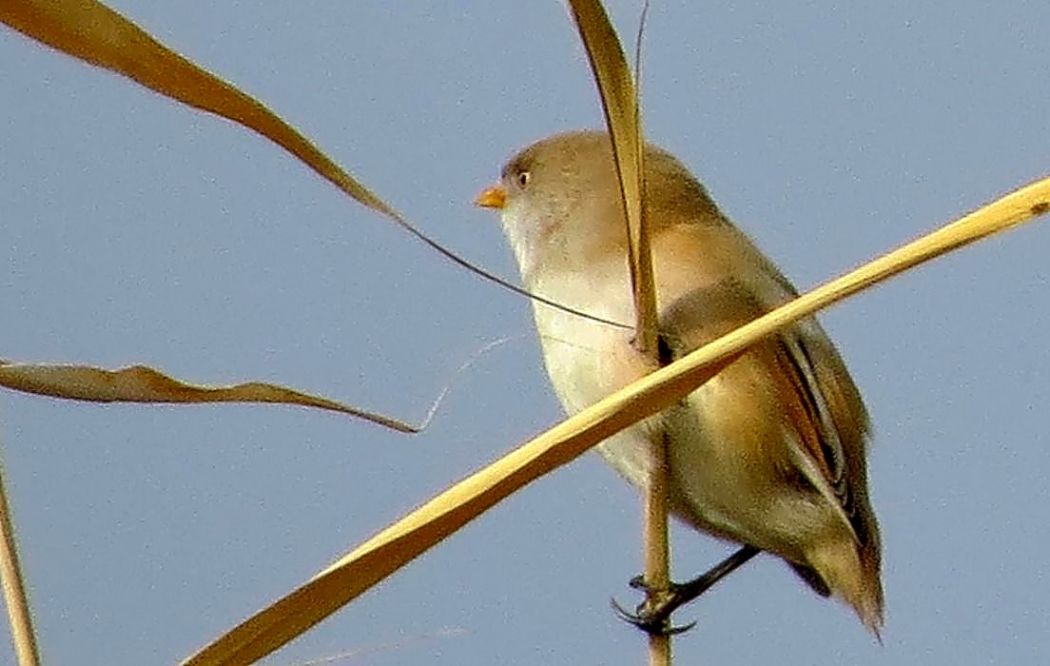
(653, 615)
(655, 622)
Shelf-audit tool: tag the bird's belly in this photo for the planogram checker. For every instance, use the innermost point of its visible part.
(588, 361)
(627, 451)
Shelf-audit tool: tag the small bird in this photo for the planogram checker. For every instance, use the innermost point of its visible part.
(771, 452)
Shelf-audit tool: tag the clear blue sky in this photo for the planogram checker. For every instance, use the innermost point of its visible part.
(138, 231)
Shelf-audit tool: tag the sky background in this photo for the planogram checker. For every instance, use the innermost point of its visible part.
(135, 230)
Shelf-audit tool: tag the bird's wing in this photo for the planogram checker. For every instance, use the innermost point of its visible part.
(818, 404)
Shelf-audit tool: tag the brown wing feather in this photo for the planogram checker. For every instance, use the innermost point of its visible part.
(818, 402)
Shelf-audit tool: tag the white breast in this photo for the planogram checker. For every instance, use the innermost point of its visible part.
(588, 360)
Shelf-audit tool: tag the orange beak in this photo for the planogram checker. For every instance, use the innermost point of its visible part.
(492, 197)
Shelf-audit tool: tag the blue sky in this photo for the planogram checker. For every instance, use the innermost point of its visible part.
(138, 231)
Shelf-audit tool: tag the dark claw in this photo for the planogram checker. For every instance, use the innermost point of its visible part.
(654, 624)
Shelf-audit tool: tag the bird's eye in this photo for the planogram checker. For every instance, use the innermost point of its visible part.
(523, 179)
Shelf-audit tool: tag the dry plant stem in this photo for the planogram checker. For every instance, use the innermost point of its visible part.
(14, 590)
(657, 540)
(657, 548)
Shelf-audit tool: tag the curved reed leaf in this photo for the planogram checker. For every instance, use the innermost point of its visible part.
(139, 383)
(620, 105)
(90, 31)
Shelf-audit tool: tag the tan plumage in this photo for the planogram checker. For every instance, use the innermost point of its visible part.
(771, 452)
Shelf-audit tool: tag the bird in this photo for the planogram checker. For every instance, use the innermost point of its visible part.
(771, 453)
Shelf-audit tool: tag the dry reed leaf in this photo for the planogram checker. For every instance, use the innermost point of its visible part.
(142, 384)
(620, 105)
(413, 534)
(92, 32)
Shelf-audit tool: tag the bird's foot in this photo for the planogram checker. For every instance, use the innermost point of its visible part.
(653, 615)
